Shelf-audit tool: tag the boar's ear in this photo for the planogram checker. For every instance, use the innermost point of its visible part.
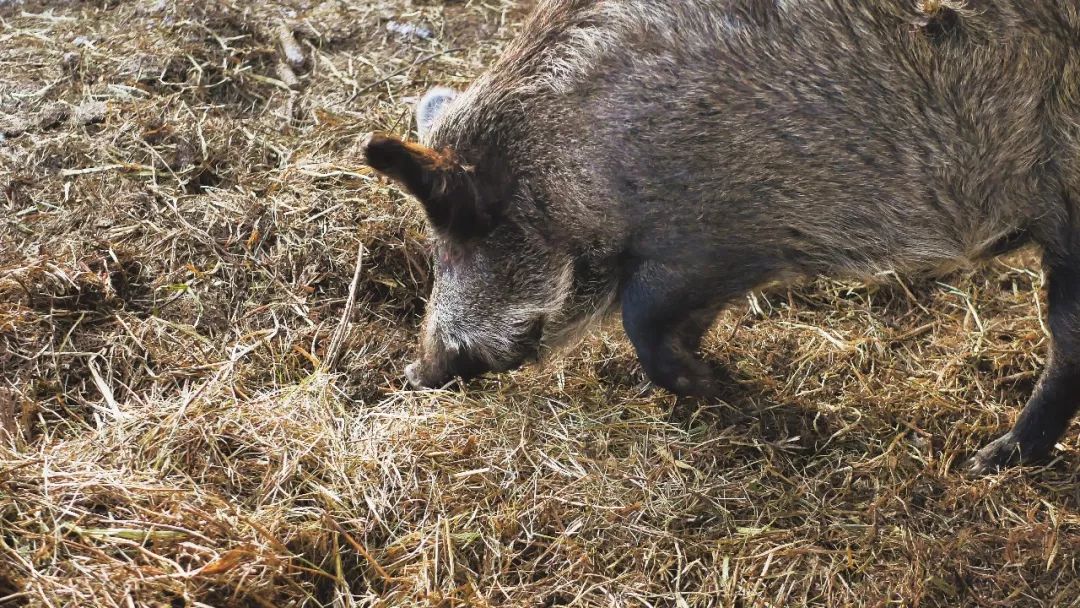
(429, 108)
(445, 187)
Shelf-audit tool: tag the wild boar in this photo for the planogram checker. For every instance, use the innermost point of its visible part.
(664, 158)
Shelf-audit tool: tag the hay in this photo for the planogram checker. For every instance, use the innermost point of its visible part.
(201, 398)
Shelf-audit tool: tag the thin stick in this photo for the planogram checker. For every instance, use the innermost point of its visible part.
(359, 548)
(334, 350)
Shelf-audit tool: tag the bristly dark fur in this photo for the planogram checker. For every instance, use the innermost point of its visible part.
(668, 157)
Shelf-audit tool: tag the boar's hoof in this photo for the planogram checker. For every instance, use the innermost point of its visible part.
(1001, 453)
(997, 455)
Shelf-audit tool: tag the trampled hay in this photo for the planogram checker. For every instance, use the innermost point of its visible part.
(193, 413)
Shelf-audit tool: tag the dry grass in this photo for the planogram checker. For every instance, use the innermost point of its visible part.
(182, 207)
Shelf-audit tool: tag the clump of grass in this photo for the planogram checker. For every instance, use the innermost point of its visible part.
(206, 304)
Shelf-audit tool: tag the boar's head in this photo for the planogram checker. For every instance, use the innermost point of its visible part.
(504, 281)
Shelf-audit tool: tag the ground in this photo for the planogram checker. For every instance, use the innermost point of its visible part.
(207, 302)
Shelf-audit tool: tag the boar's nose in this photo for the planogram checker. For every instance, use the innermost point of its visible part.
(412, 374)
(421, 376)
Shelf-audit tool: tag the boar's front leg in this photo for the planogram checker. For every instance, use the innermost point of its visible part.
(1047, 413)
(665, 313)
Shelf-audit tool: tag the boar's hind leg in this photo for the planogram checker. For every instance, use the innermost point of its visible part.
(1047, 413)
(665, 314)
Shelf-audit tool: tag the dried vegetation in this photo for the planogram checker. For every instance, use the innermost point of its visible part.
(195, 411)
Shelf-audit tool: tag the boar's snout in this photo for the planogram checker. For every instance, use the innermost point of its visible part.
(438, 364)
(414, 377)
(434, 370)
(414, 373)
(426, 373)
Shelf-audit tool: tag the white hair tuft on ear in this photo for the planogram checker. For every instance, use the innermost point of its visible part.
(431, 106)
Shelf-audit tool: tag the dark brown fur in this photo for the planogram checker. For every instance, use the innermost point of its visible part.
(666, 158)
